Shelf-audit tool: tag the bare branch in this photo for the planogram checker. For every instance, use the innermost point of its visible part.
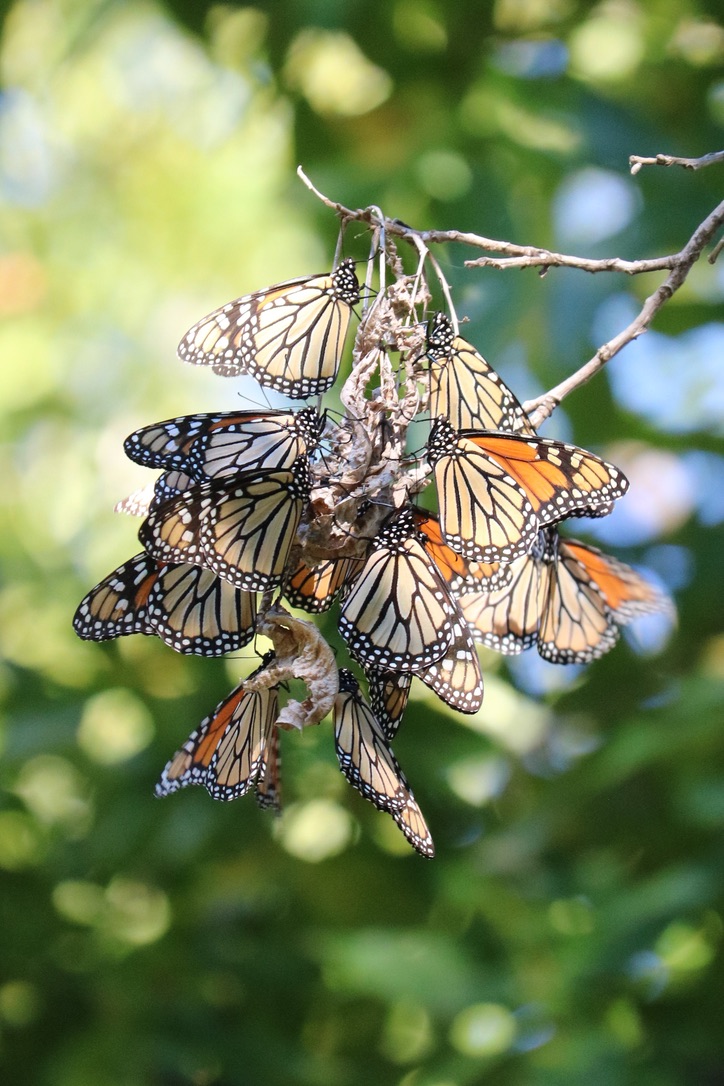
(542, 407)
(677, 265)
(636, 161)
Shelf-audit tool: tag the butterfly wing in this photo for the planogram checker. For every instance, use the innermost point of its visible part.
(226, 753)
(268, 788)
(484, 514)
(389, 693)
(459, 574)
(411, 821)
(255, 442)
(398, 614)
(507, 619)
(196, 612)
(168, 444)
(626, 593)
(576, 624)
(247, 533)
(315, 588)
(558, 479)
(370, 766)
(166, 488)
(457, 677)
(118, 605)
(289, 337)
(465, 388)
(243, 532)
(240, 757)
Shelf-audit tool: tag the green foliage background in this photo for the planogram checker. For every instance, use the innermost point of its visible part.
(570, 928)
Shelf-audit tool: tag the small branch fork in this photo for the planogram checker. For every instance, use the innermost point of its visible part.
(636, 162)
(677, 265)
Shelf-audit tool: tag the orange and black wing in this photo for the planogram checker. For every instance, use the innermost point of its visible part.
(289, 337)
(242, 532)
(389, 693)
(370, 766)
(227, 753)
(398, 614)
(314, 588)
(118, 605)
(457, 677)
(507, 619)
(465, 388)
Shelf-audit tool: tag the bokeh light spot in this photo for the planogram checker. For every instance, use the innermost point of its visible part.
(572, 916)
(418, 26)
(316, 830)
(78, 901)
(135, 913)
(609, 46)
(19, 1003)
(592, 205)
(408, 1034)
(332, 73)
(114, 727)
(21, 842)
(54, 791)
(444, 174)
(479, 780)
(485, 1029)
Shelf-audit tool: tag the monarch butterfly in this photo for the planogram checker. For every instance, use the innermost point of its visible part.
(496, 490)
(169, 485)
(458, 573)
(398, 614)
(465, 388)
(242, 532)
(268, 788)
(228, 752)
(567, 598)
(187, 607)
(212, 446)
(289, 336)
(370, 766)
(315, 588)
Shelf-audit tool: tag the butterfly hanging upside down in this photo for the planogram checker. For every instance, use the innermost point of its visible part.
(231, 514)
(289, 337)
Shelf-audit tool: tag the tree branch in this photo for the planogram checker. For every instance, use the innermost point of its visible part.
(542, 407)
(678, 265)
(636, 162)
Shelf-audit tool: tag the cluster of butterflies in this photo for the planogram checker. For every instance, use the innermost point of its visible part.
(221, 524)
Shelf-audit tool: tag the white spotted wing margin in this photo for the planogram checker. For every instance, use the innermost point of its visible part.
(369, 765)
(241, 530)
(228, 752)
(289, 337)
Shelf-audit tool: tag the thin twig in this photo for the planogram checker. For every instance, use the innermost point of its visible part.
(636, 161)
(678, 265)
(542, 407)
(513, 256)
